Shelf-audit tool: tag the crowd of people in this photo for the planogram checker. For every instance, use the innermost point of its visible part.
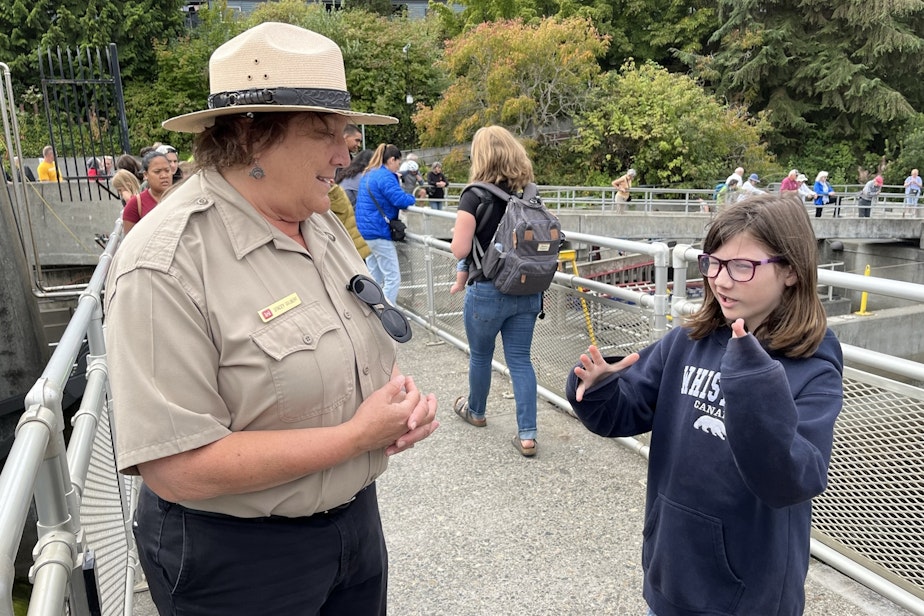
(821, 193)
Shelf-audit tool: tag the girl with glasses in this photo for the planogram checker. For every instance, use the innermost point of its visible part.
(741, 403)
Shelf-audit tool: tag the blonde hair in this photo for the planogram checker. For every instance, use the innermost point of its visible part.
(780, 223)
(497, 157)
(126, 180)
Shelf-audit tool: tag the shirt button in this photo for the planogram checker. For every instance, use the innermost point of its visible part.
(366, 370)
(347, 314)
(307, 339)
(202, 200)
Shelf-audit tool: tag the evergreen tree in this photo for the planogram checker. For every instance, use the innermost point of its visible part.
(27, 25)
(850, 69)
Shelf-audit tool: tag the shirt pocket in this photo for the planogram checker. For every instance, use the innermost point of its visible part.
(310, 361)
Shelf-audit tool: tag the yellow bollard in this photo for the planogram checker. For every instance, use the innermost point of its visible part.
(863, 297)
(571, 255)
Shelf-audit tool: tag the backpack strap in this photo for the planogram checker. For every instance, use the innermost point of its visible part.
(486, 192)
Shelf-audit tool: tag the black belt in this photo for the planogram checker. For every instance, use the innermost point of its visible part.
(276, 518)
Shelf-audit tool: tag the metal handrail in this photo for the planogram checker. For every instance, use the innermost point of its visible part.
(39, 464)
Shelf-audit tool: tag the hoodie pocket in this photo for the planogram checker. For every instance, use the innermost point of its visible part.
(685, 560)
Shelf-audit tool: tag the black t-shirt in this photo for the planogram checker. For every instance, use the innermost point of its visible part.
(470, 201)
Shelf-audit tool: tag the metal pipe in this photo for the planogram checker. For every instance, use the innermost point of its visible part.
(86, 423)
(858, 572)
(51, 573)
(880, 286)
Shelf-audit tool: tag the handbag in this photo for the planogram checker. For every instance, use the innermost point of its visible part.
(395, 225)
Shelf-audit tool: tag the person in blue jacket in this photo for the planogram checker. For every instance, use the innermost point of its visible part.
(741, 403)
(379, 200)
(824, 193)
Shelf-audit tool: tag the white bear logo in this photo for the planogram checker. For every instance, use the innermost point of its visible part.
(710, 425)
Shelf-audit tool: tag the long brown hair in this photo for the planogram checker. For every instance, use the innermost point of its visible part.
(797, 326)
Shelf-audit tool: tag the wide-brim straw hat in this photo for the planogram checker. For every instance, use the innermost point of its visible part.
(275, 67)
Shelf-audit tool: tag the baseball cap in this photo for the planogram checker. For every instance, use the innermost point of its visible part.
(754, 178)
(801, 177)
(878, 180)
(166, 149)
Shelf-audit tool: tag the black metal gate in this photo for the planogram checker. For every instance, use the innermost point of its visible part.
(85, 112)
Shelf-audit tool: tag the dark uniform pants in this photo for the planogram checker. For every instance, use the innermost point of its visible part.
(215, 565)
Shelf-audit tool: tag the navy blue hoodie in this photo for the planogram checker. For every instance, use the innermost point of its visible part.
(740, 444)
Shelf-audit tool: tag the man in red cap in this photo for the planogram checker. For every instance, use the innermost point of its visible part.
(868, 195)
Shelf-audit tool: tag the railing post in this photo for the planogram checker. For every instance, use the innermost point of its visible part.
(661, 300)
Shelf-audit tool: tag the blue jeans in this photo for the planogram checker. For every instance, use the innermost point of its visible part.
(487, 311)
(383, 265)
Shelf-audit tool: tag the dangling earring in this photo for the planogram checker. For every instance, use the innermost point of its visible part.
(256, 172)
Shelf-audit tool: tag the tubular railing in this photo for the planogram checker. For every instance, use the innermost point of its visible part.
(867, 524)
(84, 550)
(650, 199)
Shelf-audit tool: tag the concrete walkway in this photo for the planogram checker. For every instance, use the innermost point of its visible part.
(475, 529)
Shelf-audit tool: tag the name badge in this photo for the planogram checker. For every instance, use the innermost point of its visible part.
(281, 307)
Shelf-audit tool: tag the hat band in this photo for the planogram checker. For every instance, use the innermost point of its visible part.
(299, 97)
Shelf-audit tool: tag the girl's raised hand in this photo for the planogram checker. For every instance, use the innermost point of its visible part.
(738, 330)
(593, 367)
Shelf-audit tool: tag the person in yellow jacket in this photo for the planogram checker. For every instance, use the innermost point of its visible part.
(341, 206)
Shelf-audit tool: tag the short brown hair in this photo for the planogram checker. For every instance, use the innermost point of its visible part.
(235, 140)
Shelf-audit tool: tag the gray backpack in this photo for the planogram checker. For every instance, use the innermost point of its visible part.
(522, 257)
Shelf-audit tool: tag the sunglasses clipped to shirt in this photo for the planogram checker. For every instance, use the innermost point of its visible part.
(393, 320)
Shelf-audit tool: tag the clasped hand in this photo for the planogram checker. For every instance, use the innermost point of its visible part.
(397, 416)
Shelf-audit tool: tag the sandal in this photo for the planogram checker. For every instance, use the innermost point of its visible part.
(462, 410)
(524, 451)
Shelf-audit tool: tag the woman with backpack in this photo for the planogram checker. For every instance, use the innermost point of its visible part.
(497, 158)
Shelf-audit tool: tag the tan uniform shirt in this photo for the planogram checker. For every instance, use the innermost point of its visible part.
(217, 322)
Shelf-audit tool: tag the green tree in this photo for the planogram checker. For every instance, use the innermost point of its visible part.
(911, 151)
(386, 60)
(851, 68)
(181, 84)
(668, 128)
(379, 7)
(525, 77)
(640, 29)
(379, 73)
(27, 25)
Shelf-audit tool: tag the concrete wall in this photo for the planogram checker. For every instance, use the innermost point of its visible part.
(65, 219)
(893, 331)
(21, 358)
